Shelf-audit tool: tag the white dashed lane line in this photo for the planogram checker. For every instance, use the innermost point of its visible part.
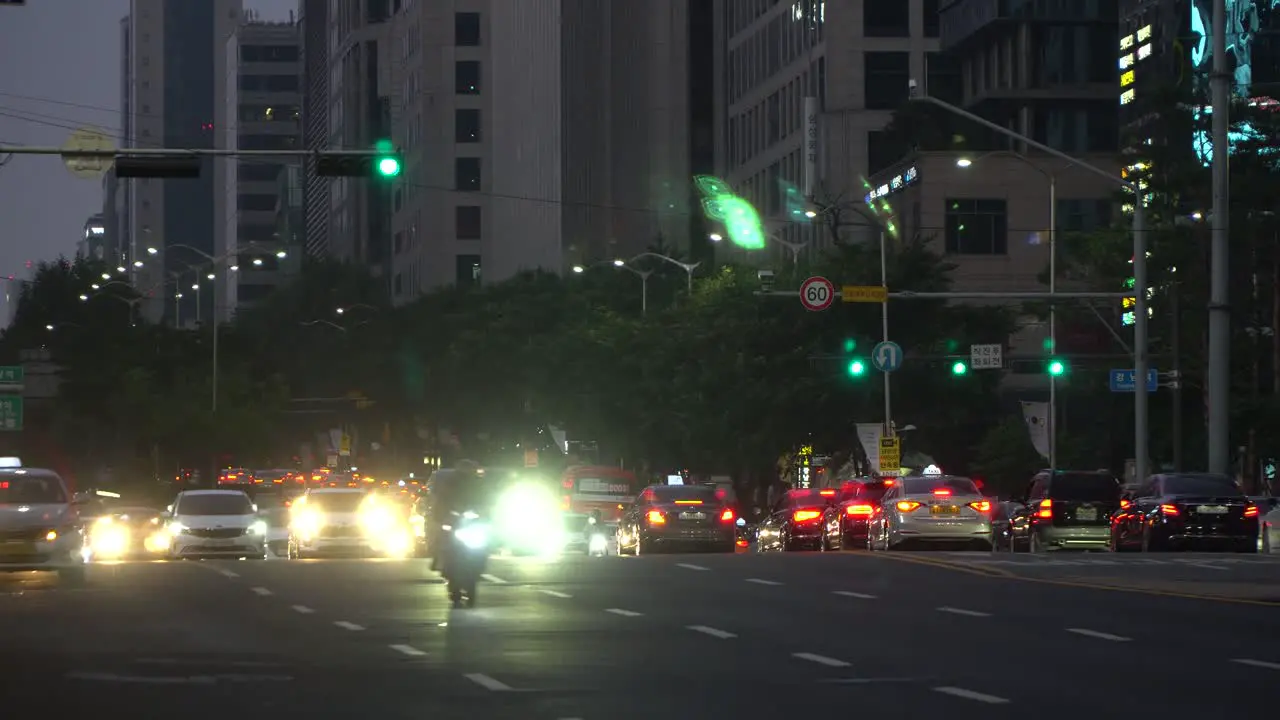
(348, 625)
(758, 581)
(228, 573)
(713, 632)
(820, 659)
(688, 566)
(1099, 635)
(555, 593)
(971, 695)
(261, 591)
(850, 593)
(409, 650)
(303, 609)
(487, 682)
(962, 611)
(493, 579)
(623, 613)
(1257, 663)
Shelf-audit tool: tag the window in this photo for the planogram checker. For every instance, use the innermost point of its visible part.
(467, 222)
(943, 78)
(466, 29)
(466, 77)
(977, 227)
(886, 77)
(468, 270)
(466, 126)
(466, 174)
(269, 53)
(932, 19)
(883, 151)
(886, 19)
(256, 202)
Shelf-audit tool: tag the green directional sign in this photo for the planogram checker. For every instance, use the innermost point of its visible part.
(10, 413)
(11, 375)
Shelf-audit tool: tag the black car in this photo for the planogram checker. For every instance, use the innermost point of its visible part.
(795, 521)
(1177, 511)
(1007, 519)
(844, 523)
(1065, 509)
(677, 517)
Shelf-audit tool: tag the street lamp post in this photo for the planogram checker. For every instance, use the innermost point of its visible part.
(1053, 288)
(642, 274)
(687, 267)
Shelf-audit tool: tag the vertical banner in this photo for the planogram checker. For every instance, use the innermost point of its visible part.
(810, 147)
(869, 435)
(1036, 415)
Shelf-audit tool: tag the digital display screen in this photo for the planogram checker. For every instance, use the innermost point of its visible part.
(1253, 59)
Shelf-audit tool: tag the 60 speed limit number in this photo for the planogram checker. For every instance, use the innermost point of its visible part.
(817, 293)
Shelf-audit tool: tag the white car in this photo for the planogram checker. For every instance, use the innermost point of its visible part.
(39, 526)
(216, 523)
(349, 521)
(931, 510)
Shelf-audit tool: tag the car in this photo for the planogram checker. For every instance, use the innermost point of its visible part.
(1269, 539)
(1177, 511)
(348, 521)
(667, 517)
(215, 523)
(845, 522)
(1065, 509)
(931, 511)
(40, 527)
(795, 521)
(126, 532)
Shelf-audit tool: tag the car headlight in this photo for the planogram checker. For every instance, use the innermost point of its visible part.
(597, 544)
(258, 528)
(109, 541)
(176, 528)
(473, 536)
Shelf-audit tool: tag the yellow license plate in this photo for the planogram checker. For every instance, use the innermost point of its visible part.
(944, 510)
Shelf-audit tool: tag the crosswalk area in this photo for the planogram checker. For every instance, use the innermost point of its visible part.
(1221, 561)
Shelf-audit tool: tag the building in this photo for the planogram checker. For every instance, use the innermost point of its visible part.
(95, 244)
(537, 134)
(290, 222)
(170, 94)
(771, 56)
(261, 111)
(313, 27)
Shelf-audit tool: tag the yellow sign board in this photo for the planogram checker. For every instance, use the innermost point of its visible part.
(890, 455)
(864, 293)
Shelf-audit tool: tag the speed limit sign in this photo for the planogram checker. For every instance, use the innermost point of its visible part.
(817, 293)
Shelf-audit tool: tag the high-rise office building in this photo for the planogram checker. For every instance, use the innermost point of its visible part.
(537, 135)
(261, 110)
(313, 25)
(95, 243)
(171, 89)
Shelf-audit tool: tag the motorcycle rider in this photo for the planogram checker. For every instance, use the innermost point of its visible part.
(460, 491)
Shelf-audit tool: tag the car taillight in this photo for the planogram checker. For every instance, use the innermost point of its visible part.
(688, 502)
(982, 506)
(907, 505)
(655, 517)
(565, 502)
(1124, 504)
(726, 515)
(1045, 511)
(827, 493)
(1169, 509)
(1251, 511)
(942, 492)
(805, 515)
(890, 483)
(860, 510)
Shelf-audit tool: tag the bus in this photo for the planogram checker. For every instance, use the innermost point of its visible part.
(598, 489)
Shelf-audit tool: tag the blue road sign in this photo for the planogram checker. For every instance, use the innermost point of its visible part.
(886, 356)
(1123, 380)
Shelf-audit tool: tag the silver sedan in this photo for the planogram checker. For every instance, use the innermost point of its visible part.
(931, 510)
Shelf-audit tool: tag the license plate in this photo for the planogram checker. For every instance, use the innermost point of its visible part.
(1086, 514)
(693, 516)
(1212, 509)
(219, 542)
(16, 548)
(944, 510)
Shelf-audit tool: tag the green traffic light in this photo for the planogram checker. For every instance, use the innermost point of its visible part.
(388, 167)
(959, 368)
(856, 368)
(1057, 367)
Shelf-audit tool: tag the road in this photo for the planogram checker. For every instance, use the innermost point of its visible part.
(674, 636)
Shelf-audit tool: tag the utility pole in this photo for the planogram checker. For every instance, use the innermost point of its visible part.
(1218, 383)
(1175, 384)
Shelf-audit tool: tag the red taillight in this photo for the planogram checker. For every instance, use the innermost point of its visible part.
(721, 494)
(567, 484)
(982, 506)
(859, 510)
(1124, 504)
(890, 483)
(827, 493)
(1251, 511)
(942, 492)
(1045, 512)
(655, 518)
(726, 515)
(907, 505)
(805, 515)
(743, 543)
(1169, 509)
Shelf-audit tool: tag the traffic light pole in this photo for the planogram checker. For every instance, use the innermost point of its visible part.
(884, 325)
(184, 152)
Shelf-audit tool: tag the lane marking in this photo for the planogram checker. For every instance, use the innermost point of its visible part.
(261, 591)
(962, 611)
(1099, 635)
(493, 579)
(1205, 566)
(487, 682)
(820, 659)
(228, 573)
(971, 695)
(1257, 663)
(303, 609)
(688, 566)
(713, 632)
(964, 567)
(852, 594)
(758, 581)
(555, 593)
(348, 625)
(623, 613)
(229, 663)
(407, 650)
(865, 681)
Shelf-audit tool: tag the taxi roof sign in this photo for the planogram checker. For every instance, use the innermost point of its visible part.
(10, 462)
(932, 470)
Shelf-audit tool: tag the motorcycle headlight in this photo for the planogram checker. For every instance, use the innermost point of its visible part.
(473, 536)
(597, 544)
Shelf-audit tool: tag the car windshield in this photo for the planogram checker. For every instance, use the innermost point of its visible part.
(31, 490)
(336, 501)
(1205, 484)
(1084, 486)
(676, 493)
(870, 491)
(214, 504)
(807, 498)
(927, 485)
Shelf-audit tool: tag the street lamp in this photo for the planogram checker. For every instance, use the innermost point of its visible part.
(1052, 177)
(622, 264)
(687, 267)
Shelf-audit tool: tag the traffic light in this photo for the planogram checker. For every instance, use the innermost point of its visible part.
(178, 167)
(1056, 367)
(857, 368)
(388, 162)
(959, 367)
(383, 162)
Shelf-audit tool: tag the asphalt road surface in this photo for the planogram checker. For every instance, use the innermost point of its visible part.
(668, 636)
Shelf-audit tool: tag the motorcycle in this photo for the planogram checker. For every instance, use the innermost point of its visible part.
(469, 538)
